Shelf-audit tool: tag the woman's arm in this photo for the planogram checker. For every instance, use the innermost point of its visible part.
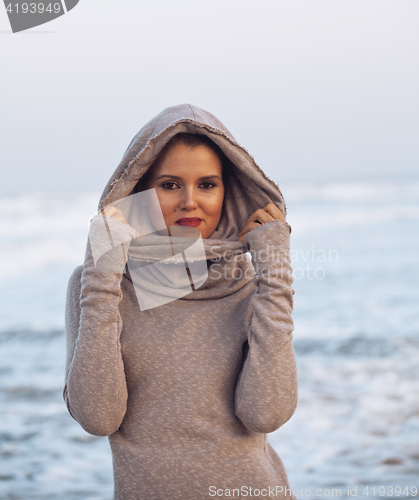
(95, 387)
(266, 390)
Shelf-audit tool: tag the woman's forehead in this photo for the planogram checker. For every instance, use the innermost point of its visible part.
(182, 160)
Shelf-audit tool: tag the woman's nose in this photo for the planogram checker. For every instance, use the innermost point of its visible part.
(189, 201)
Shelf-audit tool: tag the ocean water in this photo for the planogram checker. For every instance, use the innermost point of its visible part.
(355, 252)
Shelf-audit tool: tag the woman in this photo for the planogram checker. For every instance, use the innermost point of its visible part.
(186, 367)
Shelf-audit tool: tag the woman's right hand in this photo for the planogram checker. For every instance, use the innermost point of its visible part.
(115, 213)
(110, 236)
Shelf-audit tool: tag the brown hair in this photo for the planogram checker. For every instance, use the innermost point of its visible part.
(191, 140)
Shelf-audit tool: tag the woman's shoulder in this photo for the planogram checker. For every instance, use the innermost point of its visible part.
(74, 282)
(75, 275)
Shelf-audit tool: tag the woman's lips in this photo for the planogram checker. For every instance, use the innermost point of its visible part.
(189, 221)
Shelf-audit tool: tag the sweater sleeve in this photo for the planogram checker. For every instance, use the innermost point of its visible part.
(95, 388)
(266, 389)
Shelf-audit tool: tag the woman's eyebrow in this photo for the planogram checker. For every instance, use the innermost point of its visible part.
(170, 176)
(180, 178)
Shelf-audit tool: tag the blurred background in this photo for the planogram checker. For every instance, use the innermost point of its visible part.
(324, 95)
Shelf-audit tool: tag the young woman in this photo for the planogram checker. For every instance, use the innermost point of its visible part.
(186, 364)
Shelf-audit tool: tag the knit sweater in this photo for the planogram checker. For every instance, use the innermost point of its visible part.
(187, 391)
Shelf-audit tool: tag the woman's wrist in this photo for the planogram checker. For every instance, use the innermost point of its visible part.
(269, 244)
(109, 242)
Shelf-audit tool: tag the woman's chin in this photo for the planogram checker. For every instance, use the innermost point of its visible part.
(181, 231)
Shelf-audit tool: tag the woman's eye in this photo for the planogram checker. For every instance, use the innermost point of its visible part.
(169, 185)
(207, 185)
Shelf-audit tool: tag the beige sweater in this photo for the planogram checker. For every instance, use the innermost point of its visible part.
(187, 391)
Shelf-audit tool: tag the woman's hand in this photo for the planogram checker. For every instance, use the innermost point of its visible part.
(115, 213)
(261, 216)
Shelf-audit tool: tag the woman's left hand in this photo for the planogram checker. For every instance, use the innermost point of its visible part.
(261, 216)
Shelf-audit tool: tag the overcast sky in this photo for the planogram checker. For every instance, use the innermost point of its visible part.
(314, 89)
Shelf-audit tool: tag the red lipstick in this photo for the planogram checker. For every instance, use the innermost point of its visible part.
(189, 221)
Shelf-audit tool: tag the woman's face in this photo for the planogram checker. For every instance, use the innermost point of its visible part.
(189, 186)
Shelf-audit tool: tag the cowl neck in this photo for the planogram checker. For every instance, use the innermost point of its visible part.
(157, 248)
(163, 268)
(159, 283)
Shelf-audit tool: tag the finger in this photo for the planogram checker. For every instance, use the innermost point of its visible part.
(110, 211)
(274, 211)
(248, 227)
(261, 216)
(256, 219)
(249, 223)
(115, 213)
(119, 218)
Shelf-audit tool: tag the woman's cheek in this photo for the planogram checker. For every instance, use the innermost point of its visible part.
(165, 208)
(215, 206)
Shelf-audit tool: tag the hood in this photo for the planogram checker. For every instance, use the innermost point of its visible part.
(248, 187)
(161, 268)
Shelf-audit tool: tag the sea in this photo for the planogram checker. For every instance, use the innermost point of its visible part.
(355, 432)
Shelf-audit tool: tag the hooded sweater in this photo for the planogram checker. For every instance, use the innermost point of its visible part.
(187, 390)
